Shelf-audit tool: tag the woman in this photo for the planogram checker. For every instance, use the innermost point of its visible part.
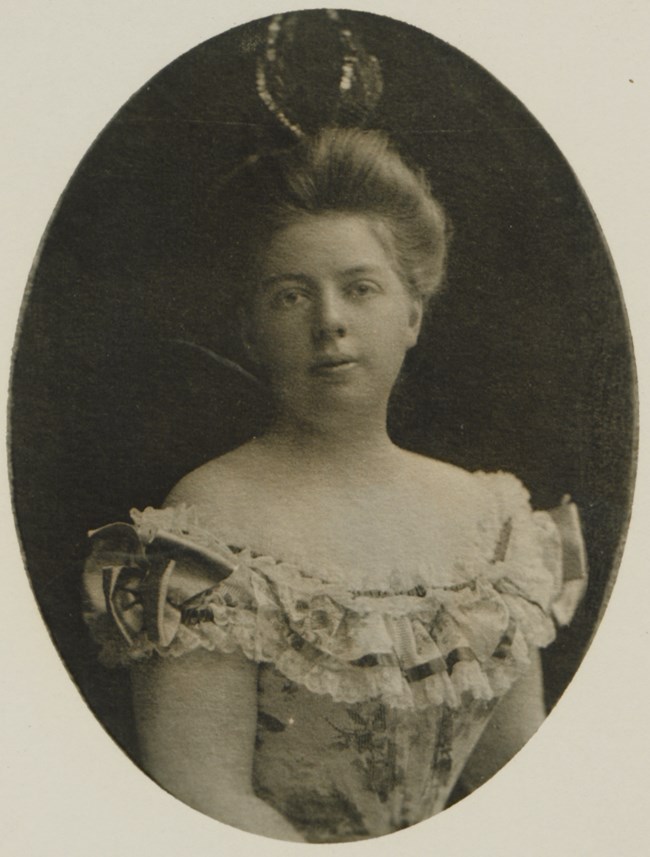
(352, 627)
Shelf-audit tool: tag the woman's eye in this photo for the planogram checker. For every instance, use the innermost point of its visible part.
(289, 298)
(363, 288)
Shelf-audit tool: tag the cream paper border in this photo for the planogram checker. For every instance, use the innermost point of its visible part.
(581, 786)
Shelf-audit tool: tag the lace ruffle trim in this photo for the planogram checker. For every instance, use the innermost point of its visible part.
(168, 585)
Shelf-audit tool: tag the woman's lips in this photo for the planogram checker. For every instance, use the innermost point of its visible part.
(332, 365)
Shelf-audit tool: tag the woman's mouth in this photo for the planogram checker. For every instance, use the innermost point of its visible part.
(335, 365)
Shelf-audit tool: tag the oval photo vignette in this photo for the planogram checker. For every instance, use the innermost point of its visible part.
(524, 367)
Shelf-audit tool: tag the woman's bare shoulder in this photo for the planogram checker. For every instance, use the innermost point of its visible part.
(216, 481)
(448, 483)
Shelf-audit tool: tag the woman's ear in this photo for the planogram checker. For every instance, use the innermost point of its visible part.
(416, 314)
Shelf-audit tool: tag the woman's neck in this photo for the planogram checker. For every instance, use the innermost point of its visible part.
(331, 446)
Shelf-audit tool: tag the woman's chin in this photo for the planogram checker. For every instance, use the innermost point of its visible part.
(345, 390)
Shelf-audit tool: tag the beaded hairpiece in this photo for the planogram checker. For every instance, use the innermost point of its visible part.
(312, 63)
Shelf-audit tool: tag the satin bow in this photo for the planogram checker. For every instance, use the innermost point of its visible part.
(574, 560)
(149, 584)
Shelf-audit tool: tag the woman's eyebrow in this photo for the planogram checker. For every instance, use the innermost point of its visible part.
(303, 279)
(361, 269)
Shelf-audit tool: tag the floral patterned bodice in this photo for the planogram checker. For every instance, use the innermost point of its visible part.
(369, 701)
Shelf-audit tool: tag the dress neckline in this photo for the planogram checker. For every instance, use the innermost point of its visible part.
(194, 520)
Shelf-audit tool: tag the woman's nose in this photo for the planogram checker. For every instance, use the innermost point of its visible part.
(329, 315)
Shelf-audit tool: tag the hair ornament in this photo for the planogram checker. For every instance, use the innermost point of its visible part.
(314, 72)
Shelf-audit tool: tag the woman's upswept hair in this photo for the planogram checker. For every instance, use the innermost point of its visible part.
(339, 170)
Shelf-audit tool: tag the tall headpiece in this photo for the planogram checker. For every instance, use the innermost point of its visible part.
(314, 72)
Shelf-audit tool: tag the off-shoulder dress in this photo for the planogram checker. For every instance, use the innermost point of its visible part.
(370, 701)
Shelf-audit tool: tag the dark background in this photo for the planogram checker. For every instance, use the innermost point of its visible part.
(525, 364)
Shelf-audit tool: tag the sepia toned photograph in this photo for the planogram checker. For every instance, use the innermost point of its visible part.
(341, 426)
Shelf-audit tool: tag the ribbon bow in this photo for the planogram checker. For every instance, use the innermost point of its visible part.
(574, 560)
(129, 578)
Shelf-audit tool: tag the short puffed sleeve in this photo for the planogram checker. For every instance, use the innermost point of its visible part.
(149, 585)
(539, 555)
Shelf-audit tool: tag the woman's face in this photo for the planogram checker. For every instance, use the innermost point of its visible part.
(331, 320)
